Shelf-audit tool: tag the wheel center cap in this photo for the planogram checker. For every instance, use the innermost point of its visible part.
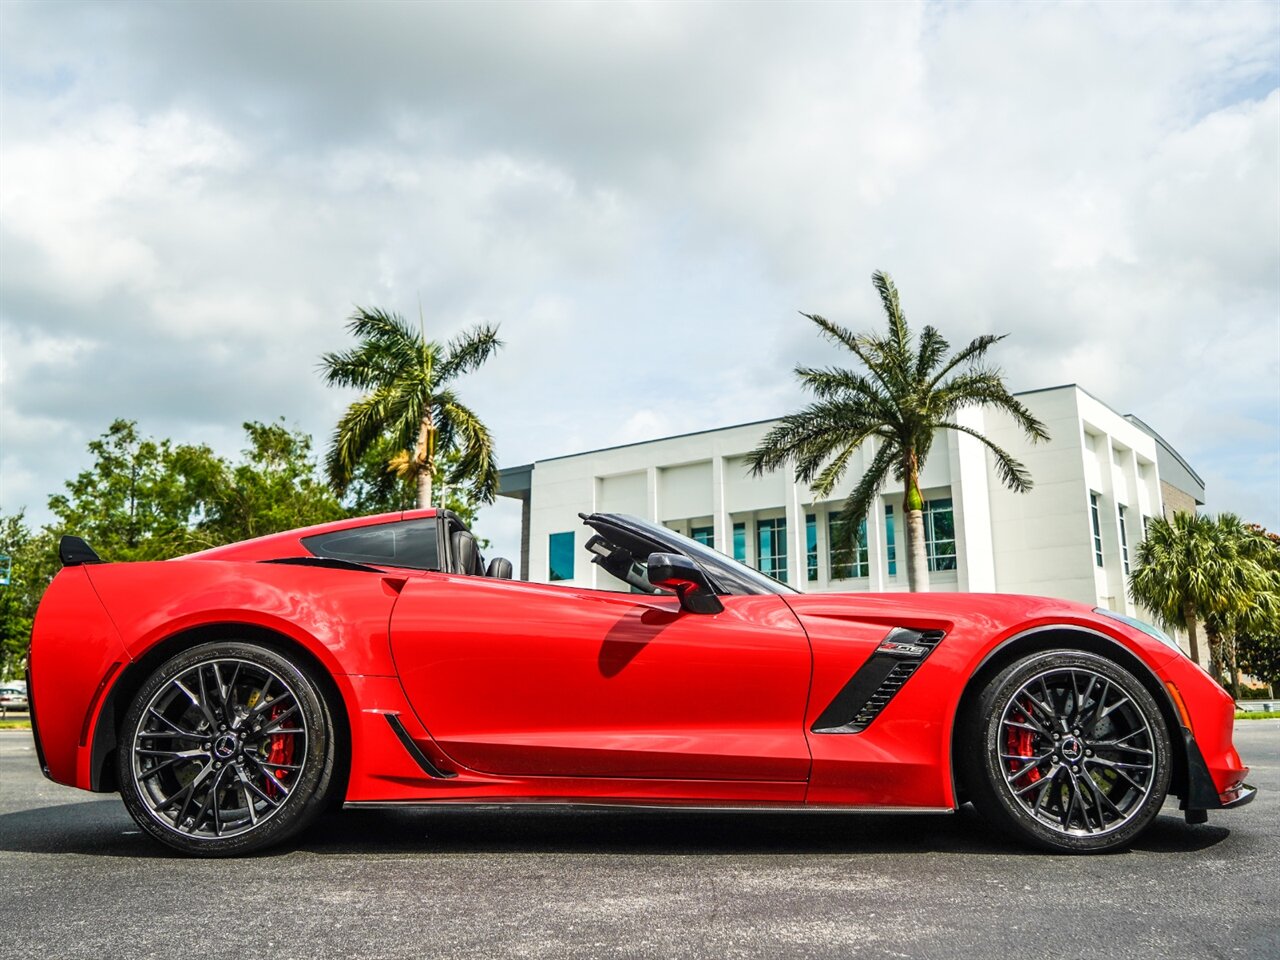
(225, 746)
(1072, 749)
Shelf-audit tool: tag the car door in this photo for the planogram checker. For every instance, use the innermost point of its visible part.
(524, 679)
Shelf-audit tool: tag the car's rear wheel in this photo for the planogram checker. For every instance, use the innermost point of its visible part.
(1067, 750)
(227, 748)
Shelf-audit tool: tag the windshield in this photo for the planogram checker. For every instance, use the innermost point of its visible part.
(635, 539)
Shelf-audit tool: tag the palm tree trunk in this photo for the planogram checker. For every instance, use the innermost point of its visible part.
(913, 511)
(1189, 617)
(1215, 652)
(917, 556)
(1233, 666)
(426, 462)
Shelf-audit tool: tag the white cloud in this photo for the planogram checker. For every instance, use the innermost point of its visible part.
(192, 197)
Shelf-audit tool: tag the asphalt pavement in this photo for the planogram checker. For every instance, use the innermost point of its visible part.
(78, 880)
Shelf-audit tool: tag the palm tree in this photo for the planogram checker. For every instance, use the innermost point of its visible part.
(909, 391)
(1248, 594)
(1183, 573)
(409, 399)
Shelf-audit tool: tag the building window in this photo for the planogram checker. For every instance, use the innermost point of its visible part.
(811, 546)
(771, 541)
(561, 554)
(704, 535)
(1097, 528)
(740, 542)
(891, 550)
(847, 564)
(940, 534)
(1124, 542)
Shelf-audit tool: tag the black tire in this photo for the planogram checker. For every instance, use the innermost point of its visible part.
(226, 749)
(1066, 750)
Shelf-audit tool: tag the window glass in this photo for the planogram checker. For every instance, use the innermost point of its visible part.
(811, 546)
(560, 552)
(891, 551)
(408, 543)
(1124, 542)
(940, 534)
(1097, 528)
(850, 563)
(740, 542)
(704, 535)
(771, 541)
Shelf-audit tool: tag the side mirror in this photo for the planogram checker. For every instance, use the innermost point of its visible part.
(684, 578)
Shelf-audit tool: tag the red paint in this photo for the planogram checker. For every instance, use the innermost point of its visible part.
(548, 693)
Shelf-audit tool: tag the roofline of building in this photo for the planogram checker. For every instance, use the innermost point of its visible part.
(1147, 428)
(756, 423)
(1133, 418)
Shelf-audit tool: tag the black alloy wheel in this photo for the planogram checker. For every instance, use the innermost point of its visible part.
(1069, 751)
(226, 749)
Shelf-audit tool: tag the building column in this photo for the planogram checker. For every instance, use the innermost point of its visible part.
(719, 516)
(526, 515)
(878, 575)
(651, 494)
(971, 507)
(795, 531)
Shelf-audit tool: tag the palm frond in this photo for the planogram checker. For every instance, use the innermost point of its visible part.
(933, 347)
(985, 387)
(478, 462)
(467, 351)
(860, 501)
(899, 333)
(975, 351)
(1012, 472)
(360, 427)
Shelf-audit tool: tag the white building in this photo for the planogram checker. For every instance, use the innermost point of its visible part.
(1097, 480)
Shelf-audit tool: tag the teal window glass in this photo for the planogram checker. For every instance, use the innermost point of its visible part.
(847, 563)
(561, 556)
(811, 546)
(940, 534)
(1097, 528)
(771, 543)
(891, 550)
(704, 535)
(740, 542)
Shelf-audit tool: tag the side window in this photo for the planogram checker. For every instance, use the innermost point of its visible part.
(411, 543)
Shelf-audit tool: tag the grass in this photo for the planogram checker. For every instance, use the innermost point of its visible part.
(15, 724)
(1257, 715)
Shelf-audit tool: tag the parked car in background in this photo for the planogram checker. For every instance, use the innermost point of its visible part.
(13, 699)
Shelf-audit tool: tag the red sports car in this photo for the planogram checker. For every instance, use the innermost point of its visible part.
(232, 695)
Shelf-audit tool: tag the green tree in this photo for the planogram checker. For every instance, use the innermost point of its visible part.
(1245, 596)
(1194, 570)
(33, 561)
(276, 486)
(139, 500)
(409, 400)
(382, 484)
(907, 391)
(1256, 641)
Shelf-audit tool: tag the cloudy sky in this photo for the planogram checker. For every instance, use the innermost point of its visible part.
(194, 196)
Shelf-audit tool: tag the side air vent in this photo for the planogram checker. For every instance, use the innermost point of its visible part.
(876, 682)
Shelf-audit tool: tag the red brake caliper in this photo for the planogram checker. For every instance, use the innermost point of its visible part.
(1020, 745)
(279, 750)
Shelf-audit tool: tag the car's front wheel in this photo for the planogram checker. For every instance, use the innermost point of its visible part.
(227, 748)
(1067, 750)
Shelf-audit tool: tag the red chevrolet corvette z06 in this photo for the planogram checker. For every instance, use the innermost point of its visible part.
(232, 695)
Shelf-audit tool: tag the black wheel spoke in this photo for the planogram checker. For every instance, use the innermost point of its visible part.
(1055, 768)
(197, 770)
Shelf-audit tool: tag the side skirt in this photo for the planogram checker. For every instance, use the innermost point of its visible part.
(569, 805)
